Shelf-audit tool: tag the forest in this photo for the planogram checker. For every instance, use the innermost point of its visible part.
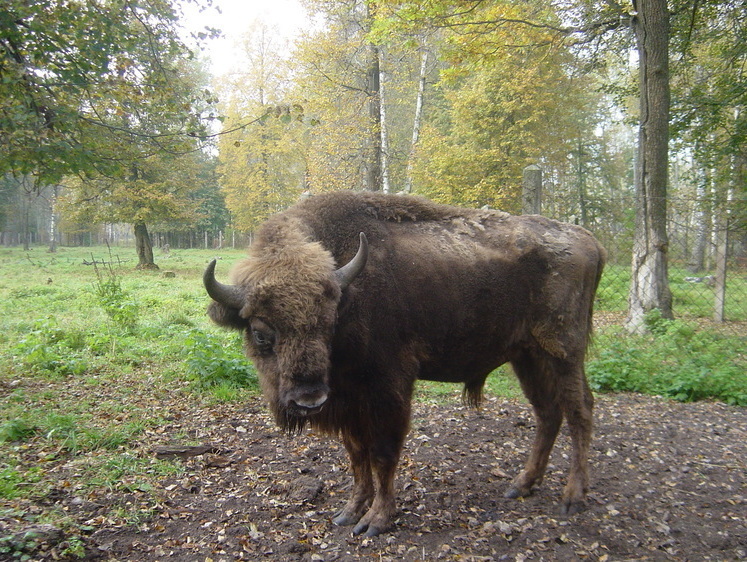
(113, 129)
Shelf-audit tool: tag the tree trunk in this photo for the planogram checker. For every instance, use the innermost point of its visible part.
(582, 187)
(144, 247)
(649, 287)
(418, 118)
(25, 217)
(701, 223)
(373, 75)
(53, 219)
(383, 127)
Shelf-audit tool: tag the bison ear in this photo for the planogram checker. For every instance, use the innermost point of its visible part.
(226, 317)
(350, 270)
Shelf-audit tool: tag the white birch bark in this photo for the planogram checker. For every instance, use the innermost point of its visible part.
(418, 118)
(385, 187)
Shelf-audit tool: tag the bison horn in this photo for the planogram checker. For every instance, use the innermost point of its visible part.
(229, 296)
(350, 270)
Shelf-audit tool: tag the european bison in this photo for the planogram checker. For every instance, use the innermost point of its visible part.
(426, 291)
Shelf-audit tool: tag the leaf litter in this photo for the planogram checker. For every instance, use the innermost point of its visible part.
(668, 483)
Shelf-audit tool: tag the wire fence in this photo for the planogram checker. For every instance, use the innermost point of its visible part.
(707, 258)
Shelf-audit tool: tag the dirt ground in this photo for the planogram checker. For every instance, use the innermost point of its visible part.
(668, 483)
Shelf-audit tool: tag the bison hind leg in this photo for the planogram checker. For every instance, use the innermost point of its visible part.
(539, 385)
(557, 389)
(578, 404)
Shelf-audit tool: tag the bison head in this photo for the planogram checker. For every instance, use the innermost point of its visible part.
(285, 299)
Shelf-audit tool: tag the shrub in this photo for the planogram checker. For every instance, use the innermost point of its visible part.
(48, 349)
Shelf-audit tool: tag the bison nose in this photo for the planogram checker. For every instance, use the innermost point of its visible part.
(311, 402)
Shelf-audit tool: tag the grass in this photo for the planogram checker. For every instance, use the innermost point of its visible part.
(88, 358)
(90, 355)
(689, 299)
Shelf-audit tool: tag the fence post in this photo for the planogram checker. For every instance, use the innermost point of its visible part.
(531, 191)
(722, 245)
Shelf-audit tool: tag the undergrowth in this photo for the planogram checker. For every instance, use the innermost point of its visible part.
(211, 364)
(675, 360)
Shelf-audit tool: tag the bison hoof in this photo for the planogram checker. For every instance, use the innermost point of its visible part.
(572, 507)
(366, 530)
(514, 492)
(343, 519)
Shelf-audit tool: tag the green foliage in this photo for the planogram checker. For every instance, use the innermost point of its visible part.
(676, 360)
(213, 364)
(16, 429)
(48, 349)
(72, 74)
(117, 304)
(10, 480)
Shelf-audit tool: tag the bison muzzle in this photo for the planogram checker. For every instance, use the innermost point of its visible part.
(425, 291)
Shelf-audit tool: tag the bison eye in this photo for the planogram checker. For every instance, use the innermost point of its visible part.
(262, 339)
(263, 336)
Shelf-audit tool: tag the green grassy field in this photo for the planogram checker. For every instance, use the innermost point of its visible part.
(689, 300)
(89, 355)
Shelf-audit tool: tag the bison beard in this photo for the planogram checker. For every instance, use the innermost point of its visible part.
(444, 294)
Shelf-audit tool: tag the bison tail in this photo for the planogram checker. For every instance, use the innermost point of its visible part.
(472, 394)
(601, 261)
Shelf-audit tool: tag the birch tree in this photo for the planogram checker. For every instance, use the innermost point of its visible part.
(261, 163)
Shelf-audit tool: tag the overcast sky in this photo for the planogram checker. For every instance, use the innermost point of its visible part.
(234, 19)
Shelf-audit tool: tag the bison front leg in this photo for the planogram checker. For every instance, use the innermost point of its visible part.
(380, 517)
(363, 486)
(371, 506)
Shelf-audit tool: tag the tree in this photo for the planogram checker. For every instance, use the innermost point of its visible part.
(709, 121)
(509, 96)
(99, 91)
(418, 116)
(60, 59)
(650, 282)
(261, 165)
(355, 83)
(158, 190)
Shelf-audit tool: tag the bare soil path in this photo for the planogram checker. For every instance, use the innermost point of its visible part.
(669, 482)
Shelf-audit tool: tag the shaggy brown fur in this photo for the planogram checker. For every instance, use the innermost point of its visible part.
(446, 294)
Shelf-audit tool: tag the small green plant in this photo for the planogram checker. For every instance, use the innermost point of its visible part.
(64, 428)
(17, 429)
(655, 322)
(14, 549)
(212, 364)
(75, 548)
(10, 479)
(115, 301)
